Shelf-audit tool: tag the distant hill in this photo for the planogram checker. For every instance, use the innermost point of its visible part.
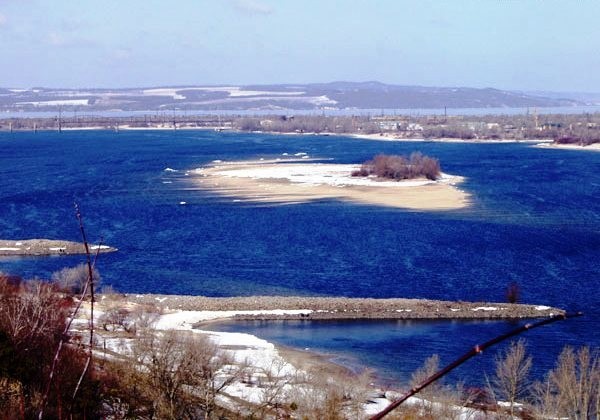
(334, 95)
(588, 98)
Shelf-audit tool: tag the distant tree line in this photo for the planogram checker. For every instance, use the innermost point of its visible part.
(308, 124)
(581, 129)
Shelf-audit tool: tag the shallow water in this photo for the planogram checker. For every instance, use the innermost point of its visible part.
(535, 221)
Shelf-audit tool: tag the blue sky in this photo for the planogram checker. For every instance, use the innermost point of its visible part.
(507, 44)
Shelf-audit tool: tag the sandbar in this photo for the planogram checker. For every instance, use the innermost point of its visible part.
(394, 137)
(290, 181)
(594, 147)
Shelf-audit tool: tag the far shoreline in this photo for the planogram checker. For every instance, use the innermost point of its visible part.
(359, 136)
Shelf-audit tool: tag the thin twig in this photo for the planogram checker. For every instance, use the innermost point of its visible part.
(65, 332)
(89, 358)
(473, 352)
(90, 281)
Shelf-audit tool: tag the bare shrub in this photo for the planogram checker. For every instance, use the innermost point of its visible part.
(437, 401)
(32, 312)
(143, 317)
(115, 317)
(316, 396)
(274, 381)
(398, 167)
(182, 374)
(32, 320)
(513, 293)
(72, 279)
(572, 389)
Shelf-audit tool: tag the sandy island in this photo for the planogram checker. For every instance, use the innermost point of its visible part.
(287, 181)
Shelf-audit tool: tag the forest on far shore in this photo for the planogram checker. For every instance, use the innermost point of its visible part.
(581, 129)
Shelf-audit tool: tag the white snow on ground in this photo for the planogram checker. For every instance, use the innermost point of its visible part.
(322, 100)
(9, 249)
(508, 404)
(320, 174)
(485, 308)
(61, 102)
(183, 320)
(233, 91)
(239, 92)
(376, 405)
(542, 308)
(245, 349)
(99, 247)
(170, 92)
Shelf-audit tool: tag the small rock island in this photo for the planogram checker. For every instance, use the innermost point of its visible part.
(30, 247)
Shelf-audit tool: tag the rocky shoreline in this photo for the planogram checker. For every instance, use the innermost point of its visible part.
(31, 247)
(322, 308)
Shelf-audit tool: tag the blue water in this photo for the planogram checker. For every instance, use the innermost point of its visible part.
(535, 221)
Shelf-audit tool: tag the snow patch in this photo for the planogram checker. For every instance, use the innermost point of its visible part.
(319, 174)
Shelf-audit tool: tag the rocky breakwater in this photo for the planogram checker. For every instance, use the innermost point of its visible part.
(294, 307)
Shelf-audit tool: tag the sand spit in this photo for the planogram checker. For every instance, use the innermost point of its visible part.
(594, 147)
(289, 181)
(27, 247)
(393, 137)
(292, 307)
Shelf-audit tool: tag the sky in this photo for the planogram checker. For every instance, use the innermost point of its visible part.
(507, 44)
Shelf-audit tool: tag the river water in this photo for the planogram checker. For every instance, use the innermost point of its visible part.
(535, 221)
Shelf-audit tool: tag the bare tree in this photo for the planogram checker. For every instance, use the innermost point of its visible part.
(511, 382)
(324, 394)
(274, 381)
(572, 389)
(316, 396)
(184, 374)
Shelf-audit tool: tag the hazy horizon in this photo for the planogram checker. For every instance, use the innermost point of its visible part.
(520, 46)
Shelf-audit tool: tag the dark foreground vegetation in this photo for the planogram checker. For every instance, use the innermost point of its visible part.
(398, 167)
(179, 375)
(71, 382)
(582, 129)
